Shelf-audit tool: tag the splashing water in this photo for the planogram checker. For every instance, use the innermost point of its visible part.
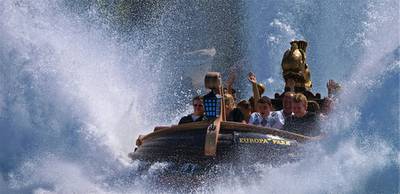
(72, 98)
(68, 108)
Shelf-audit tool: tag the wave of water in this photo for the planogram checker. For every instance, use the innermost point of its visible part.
(70, 105)
(73, 97)
(356, 43)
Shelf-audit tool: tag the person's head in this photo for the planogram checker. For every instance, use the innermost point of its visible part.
(231, 92)
(229, 102)
(313, 106)
(287, 102)
(245, 107)
(299, 105)
(264, 106)
(252, 104)
(198, 106)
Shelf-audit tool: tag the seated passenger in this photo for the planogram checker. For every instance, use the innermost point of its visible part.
(313, 106)
(232, 113)
(265, 117)
(245, 108)
(252, 104)
(302, 121)
(198, 112)
(287, 103)
(230, 91)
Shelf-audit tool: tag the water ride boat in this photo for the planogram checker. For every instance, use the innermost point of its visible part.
(215, 140)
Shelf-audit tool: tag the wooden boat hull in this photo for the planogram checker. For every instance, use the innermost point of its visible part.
(237, 143)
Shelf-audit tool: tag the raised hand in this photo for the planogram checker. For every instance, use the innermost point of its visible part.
(252, 78)
(231, 79)
(333, 87)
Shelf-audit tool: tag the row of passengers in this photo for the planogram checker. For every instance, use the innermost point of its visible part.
(233, 113)
(301, 121)
(293, 117)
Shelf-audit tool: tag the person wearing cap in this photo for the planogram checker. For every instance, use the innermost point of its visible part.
(265, 116)
(198, 112)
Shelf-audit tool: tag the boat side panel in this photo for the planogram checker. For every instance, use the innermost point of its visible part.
(188, 146)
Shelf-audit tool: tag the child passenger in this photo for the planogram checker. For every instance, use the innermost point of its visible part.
(302, 121)
(265, 116)
(232, 112)
(245, 108)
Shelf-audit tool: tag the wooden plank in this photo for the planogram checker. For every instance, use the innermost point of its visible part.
(211, 140)
(202, 125)
(161, 127)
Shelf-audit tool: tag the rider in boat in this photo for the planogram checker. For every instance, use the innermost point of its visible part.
(302, 121)
(245, 108)
(198, 112)
(265, 116)
(295, 101)
(235, 113)
(287, 103)
(232, 112)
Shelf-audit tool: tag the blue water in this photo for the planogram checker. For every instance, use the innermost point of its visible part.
(74, 96)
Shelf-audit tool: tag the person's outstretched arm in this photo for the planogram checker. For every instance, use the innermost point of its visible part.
(253, 80)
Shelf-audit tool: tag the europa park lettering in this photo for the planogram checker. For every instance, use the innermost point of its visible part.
(263, 141)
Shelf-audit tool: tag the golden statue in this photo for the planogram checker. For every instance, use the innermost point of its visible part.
(295, 69)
